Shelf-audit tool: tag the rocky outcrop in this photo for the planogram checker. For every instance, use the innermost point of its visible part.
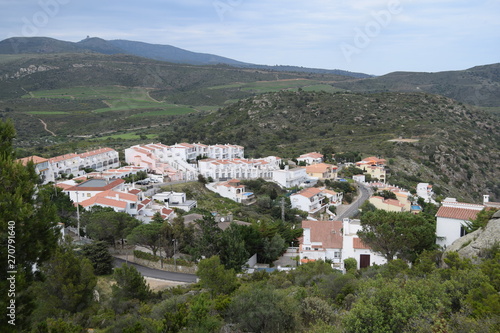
(473, 245)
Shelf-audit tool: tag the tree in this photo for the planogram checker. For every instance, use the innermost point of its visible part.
(387, 194)
(107, 225)
(68, 284)
(233, 252)
(215, 277)
(272, 248)
(207, 237)
(397, 234)
(130, 284)
(28, 227)
(147, 235)
(98, 254)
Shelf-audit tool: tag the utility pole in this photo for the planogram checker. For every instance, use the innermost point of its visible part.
(78, 215)
(175, 262)
(283, 209)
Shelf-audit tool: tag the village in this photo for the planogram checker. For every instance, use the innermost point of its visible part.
(330, 229)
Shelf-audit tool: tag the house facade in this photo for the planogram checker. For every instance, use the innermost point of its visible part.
(389, 205)
(288, 178)
(239, 168)
(92, 187)
(451, 219)
(233, 190)
(322, 171)
(336, 241)
(42, 167)
(309, 200)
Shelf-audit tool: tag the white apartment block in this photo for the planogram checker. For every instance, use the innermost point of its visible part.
(74, 164)
(239, 168)
(288, 178)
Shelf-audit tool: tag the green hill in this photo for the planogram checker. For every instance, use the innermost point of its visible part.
(478, 86)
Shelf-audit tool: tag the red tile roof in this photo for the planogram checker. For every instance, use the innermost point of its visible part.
(457, 213)
(309, 192)
(326, 232)
(34, 158)
(357, 243)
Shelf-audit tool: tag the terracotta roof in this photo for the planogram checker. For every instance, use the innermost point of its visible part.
(62, 158)
(134, 191)
(96, 152)
(309, 192)
(357, 243)
(320, 167)
(96, 200)
(118, 195)
(34, 158)
(457, 213)
(326, 232)
(329, 192)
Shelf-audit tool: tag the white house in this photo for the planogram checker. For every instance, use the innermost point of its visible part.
(288, 178)
(451, 219)
(424, 191)
(175, 200)
(355, 248)
(309, 200)
(233, 190)
(88, 189)
(321, 240)
(119, 201)
(311, 158)
(336, 241)
(332, 197)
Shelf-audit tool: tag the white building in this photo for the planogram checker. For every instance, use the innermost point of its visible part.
(451, 218)
(233, 190)
(311, 158)
(309, 200)
(119, 201)
(336, 241)
(424, 191)
(288, 178)
(92, 187)
(239, 168)
(42, 167)
(175, 200)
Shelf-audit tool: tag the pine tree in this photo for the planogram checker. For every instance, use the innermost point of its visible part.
(28, 229)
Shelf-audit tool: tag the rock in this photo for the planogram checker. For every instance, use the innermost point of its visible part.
(474, 245)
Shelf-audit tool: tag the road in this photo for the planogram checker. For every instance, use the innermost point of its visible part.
(353, 208)
(158, 274)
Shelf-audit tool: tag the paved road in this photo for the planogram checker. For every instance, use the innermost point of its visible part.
(352, 209)
(158, 274)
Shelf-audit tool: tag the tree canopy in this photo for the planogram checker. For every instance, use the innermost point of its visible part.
(392, 234)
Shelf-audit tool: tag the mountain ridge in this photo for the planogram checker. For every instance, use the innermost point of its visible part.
(169, 53)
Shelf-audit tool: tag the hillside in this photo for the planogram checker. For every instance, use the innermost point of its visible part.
(478, 86)
(106, 93)
(454, 145)
(45, 45)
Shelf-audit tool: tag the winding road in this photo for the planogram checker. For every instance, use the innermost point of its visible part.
(352, 209)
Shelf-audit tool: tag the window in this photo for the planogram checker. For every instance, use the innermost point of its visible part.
(336, 254)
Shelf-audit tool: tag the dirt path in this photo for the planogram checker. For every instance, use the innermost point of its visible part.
(45, 127)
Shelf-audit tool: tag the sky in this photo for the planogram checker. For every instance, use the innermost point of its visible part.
(369, 36)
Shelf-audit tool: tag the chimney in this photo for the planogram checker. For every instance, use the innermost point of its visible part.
(486, 198)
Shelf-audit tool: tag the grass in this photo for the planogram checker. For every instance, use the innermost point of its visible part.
(127, 136)
(169, 110)
(273, 86)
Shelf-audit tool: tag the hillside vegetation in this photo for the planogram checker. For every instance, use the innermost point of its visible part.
(454, 145)
(478, 86)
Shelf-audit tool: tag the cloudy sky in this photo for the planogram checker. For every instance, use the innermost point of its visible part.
(370, 36)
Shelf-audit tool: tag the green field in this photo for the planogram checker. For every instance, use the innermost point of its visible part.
(166, 110)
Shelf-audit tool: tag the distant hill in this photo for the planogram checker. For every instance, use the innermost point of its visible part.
(476, 86)
(23, 45)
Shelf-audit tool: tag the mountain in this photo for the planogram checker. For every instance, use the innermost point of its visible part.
(475, 86)
(23, 45)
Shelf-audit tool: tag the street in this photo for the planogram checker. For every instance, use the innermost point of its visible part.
(158, 274)
(352, 209)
